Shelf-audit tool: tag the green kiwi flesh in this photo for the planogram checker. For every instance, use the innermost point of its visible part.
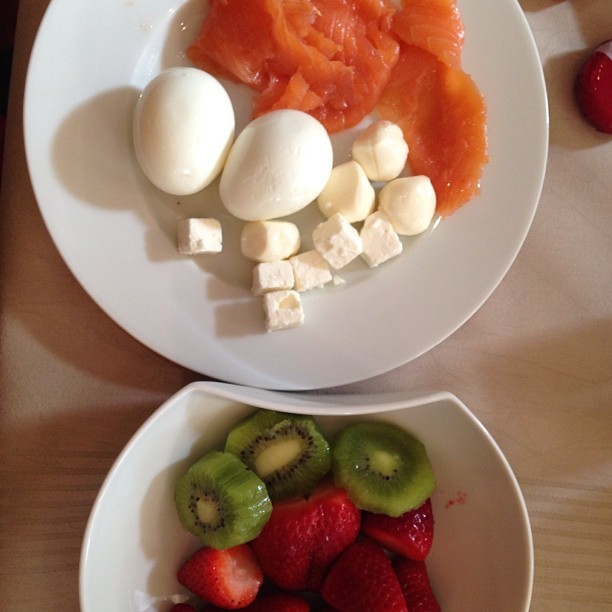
(382, 467)
(221, 501)
(287, 451)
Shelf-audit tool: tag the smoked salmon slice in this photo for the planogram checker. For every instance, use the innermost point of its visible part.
(330, 58)
(433, 25)
(443, 116)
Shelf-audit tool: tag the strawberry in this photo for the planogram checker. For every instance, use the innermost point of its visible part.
(363, 580)
(273, 602)
(414, 581)
(409, 534)
(228, 578)
(305, 535)
(594, 88)
(182, 607)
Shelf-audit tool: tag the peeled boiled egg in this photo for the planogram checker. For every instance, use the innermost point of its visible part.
(183, 129)
(278, 164)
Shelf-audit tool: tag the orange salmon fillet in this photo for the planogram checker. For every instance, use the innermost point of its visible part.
(443, 116)
(433, 25)
(330, 58)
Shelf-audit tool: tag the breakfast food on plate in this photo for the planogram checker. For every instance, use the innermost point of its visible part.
(318, 547)
(278, 164)
(198, 236)
(221, 501)
(380, 242)
(383, 468)
(409, 203)
(288, 452)
(340, 60)
(183, 129)
(317, 67)
(329, 58)
(282, 309)
(337, 241)
(348, 191)
(594, 88)
(381, 151)
(269, 240)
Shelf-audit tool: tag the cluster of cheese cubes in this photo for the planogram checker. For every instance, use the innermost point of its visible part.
(406, 206)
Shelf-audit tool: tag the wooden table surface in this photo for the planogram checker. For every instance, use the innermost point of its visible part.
(534, 363)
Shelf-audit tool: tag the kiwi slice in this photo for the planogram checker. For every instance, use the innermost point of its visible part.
(221, 501)
(382, 467)
(287, 451)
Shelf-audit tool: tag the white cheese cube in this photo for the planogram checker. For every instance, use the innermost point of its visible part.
(381, 150)
(410, 204)
(337, 240)
(310, 270)
(272, 276)
(283, 309)
(380, 240)
(269, 240)
(348, 191)
(197, 236)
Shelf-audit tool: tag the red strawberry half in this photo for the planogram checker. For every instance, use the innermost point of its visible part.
(594, 88)
(409, 534)
(362, 580)
(228, 578)
(305, 535)
(414, 581)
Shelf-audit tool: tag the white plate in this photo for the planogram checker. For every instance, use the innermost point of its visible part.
(482, 556)
(117, 233)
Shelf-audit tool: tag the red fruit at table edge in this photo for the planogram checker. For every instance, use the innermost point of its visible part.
(362, 579)
(304, 536)
(229, 578)
(414, 582)
(594, 88)
(410, 534)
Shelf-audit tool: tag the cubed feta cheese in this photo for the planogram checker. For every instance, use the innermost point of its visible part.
(197, 236)
(310, 270)
(380, 240)
(337, 241)
(272, 276)
(283, 309)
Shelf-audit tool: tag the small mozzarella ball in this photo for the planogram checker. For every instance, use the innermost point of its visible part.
(381, 150)
(264, 241)
(348, 192)
(278, 165)
(183, 130)
(409, 203)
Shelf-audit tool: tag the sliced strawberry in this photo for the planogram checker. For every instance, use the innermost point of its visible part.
(273, 602)
(228, 578)
(414, 581)
(305, 535)
(409, 534)
(362, 580)
(594, 88)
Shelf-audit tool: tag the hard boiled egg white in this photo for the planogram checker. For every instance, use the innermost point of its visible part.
(278, 164)
(183, 130)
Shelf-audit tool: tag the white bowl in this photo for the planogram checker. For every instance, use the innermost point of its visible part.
(482, 555)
